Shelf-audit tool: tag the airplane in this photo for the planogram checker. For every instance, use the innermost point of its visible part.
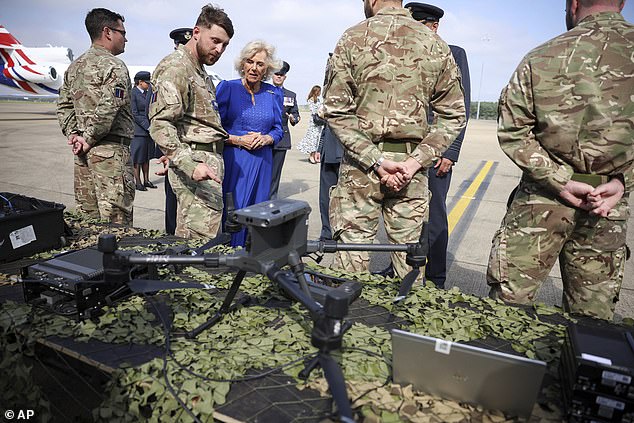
(40, 70)
(34, 70)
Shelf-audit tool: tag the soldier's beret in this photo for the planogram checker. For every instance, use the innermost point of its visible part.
(181, 35)
(284, 70)
(142, 76)
(425, 12)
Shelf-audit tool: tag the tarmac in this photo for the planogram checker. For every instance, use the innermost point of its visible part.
(36, 162)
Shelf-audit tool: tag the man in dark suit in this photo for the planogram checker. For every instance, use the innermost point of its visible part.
(331, 152)
(440, 174)
(291, 115)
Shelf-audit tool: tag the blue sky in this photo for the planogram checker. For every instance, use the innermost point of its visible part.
(495, 33)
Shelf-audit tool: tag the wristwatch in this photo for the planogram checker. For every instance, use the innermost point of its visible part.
(377, 165)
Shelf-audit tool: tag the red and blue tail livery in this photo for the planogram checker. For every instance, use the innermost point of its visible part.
(38, 70)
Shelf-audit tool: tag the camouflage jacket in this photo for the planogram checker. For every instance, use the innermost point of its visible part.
(568, 107)
(95, 97)
(183, 108)
(384, 74)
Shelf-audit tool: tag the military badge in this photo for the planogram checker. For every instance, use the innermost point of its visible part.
(119, 92)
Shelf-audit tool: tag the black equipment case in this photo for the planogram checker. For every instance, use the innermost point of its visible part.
(29, 226)
(597, 374)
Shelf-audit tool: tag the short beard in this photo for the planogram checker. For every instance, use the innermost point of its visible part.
(202, 57)
(367, 9)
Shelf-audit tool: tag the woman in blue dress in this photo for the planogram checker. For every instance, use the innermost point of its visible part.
(251, 112)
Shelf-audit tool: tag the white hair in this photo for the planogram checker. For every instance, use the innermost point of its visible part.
(254, 47)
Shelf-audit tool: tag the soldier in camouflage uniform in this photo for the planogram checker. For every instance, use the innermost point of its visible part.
(185, 123)
(386, 71)
(94, 113)
(566, 119)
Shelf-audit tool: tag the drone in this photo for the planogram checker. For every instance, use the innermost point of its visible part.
(277, 241)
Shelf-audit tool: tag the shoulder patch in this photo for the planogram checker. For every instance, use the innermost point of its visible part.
(119, 92)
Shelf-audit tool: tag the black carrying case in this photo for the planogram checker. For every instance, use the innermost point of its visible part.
(29, 226)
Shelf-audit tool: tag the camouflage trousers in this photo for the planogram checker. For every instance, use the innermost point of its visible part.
(104, 183)
(199, 204)
(357, 202)
(538, 229)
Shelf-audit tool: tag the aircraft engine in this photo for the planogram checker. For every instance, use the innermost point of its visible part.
(37, 74)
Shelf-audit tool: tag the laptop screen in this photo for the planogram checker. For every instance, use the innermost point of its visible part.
(460, 372)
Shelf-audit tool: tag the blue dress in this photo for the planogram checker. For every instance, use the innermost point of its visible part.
(248, 172)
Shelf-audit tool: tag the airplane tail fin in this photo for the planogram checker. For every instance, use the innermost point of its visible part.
(8, 44)
(18, 70)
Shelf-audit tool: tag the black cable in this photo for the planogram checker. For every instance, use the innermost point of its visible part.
(166, 334)
(246, 378)
(389, 377)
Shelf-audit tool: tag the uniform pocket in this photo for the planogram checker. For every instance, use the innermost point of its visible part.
(101, 159)
(210, 191)
(609, 233)
(497, 270)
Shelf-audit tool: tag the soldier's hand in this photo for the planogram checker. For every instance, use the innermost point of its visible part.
(605, 197)
(576, 194)
(203, 172)
(395, 182)
(443, 166)
(79, 145)
(165, 162)
(393, 174)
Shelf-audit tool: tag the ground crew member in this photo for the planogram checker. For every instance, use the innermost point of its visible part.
(386, 71)
(185, 123)
(94, 112)
(566, 120)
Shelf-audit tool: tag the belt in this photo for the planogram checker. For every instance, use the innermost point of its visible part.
(210, 147)
(116, 139)
(590, 179)
(397, 146)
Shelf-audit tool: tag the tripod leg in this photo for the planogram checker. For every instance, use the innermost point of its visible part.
(337, 385)
(224, 308)
(310, 366)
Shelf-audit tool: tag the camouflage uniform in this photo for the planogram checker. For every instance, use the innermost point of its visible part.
(385, 73)
(185, 123)
(94, 102)
(567, 114)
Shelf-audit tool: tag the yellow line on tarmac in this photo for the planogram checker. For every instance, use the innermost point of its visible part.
(460, 207)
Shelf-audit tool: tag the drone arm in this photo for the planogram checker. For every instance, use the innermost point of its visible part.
(290, 285)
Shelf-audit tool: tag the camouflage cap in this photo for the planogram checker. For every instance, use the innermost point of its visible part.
(181, 35)
(425, 12)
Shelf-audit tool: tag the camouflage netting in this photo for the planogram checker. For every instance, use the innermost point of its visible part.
(217, 373)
